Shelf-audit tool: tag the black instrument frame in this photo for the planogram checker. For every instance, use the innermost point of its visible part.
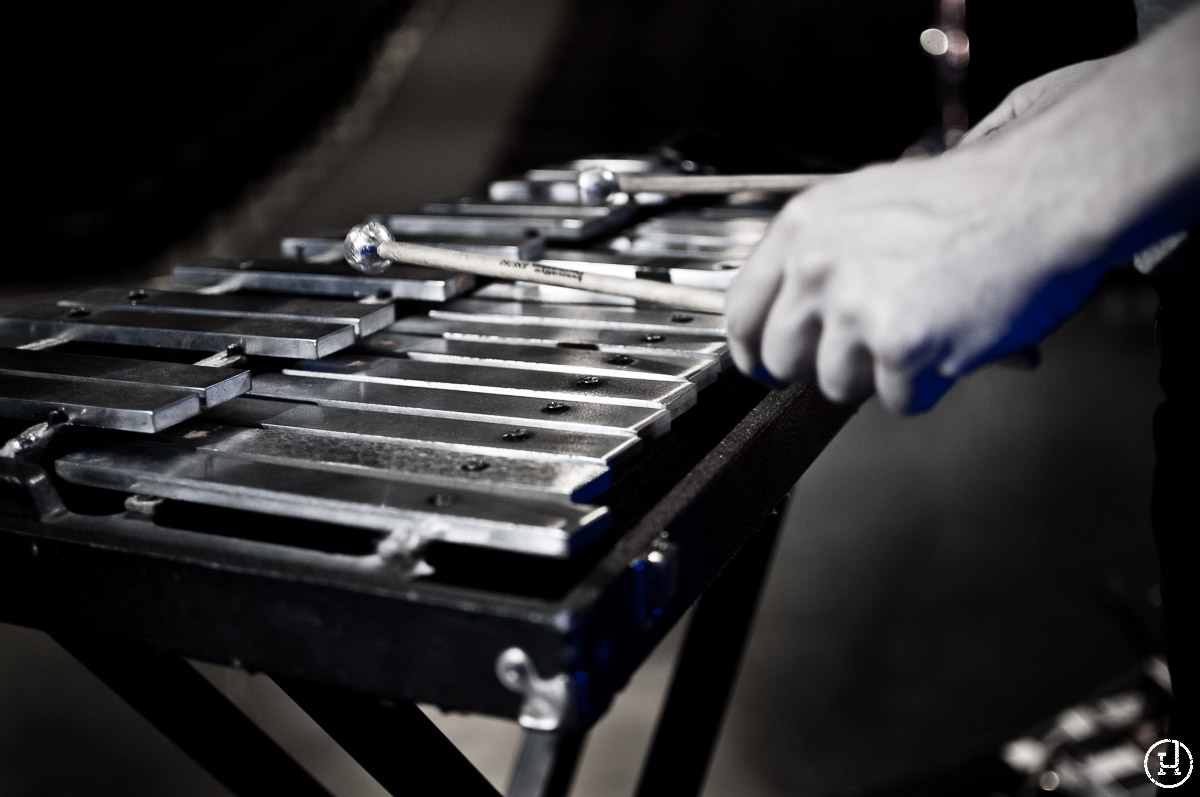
(696, 497)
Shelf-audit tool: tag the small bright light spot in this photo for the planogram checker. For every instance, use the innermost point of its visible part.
(958, 49)
(934, 41)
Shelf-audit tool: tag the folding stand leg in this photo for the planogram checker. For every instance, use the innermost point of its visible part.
(546, 764)
(194, 714)
(396, 743)
(705, 672)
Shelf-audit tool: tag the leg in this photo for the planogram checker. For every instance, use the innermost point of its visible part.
(397, 744)
(197, 717)
(705, 672)
(546, 764)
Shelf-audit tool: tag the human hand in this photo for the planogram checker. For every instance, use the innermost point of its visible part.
(1034, 97)
(900, 278)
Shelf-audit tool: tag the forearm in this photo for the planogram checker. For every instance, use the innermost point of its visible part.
(904, 277)
(1034, 97)
(1125, 146)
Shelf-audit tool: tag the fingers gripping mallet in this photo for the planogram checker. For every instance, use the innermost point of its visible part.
(369, 248)
(603, 187)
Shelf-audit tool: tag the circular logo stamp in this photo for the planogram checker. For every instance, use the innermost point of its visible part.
(1168, 763)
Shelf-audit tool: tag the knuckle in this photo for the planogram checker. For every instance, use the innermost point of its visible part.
(795, 210)
(811, 273)
(842, 310)
(740, 326)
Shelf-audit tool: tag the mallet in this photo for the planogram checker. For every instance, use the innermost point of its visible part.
(370, 249)
(602, 187)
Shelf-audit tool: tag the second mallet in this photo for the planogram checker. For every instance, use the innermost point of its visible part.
(601, 186)
(370, 249)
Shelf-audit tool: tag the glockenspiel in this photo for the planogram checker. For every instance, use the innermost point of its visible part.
(415, 486)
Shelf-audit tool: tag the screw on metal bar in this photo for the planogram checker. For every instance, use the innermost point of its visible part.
(78, 312)
(589, 381)
(556, 408)
(516, 436)
(683, 318)
(653, 338)
(621, 359)
(441, 500)
(136, 295)
(475, 466)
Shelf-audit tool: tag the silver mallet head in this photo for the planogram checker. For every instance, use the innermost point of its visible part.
(362, 247)
(598, 186)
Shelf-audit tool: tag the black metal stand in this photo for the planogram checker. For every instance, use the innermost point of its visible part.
(705, 672)
(395, 742)
(403, 750)
(546, 764)
(194, 714)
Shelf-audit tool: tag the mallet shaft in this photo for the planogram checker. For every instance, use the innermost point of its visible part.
(632, 183)
(683, 297)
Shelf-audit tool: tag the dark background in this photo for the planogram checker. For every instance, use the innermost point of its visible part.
(132, 125)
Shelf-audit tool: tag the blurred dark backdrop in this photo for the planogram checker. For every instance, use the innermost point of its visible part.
(133, 125)
(843, 81)
(136, 121)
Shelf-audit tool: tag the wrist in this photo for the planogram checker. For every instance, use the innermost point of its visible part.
(1120, 159)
